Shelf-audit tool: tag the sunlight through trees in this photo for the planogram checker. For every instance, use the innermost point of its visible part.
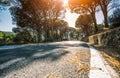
(45, 18)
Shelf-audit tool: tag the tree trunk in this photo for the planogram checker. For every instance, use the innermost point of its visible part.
(105, 14)
(105, 18)
(47, 34)
(95, 23)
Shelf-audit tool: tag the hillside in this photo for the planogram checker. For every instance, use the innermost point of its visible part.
(7, 32)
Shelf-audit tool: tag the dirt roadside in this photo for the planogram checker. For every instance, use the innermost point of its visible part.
(111, 55)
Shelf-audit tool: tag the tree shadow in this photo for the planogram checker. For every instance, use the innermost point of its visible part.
(14, 59)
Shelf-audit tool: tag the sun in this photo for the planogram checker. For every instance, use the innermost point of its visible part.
(65, 2)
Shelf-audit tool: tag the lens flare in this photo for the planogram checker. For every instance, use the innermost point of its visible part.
(65, 2)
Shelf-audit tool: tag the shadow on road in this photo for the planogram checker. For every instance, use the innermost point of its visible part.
(14, 59)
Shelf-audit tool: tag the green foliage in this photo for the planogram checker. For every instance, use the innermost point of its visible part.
(6, 38)
(85, 7)
(114, 19)
(25, 35)
(39, 15)
(1, 35)
(85, 22)
(100, 25)
(3, 4)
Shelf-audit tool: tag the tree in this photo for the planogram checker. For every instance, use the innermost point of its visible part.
(60, 29)
(114, 19)
(71, 33)
(85, 6)
(84, 22)
(6, 38)
(38, 14)
(4, 3)
(104, 7)
(24, 35)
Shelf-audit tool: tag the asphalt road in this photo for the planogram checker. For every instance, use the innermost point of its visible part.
(68, 59)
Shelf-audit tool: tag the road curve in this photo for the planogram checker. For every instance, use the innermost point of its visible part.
(67, 59)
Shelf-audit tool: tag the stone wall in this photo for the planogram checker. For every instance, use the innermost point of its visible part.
(108, 38)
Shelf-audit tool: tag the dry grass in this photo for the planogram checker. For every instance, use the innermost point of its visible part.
(53, 76)
(111, 55)
(79, 64)
(112, 61)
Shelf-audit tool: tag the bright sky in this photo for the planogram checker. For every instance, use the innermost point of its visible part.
(71, 17)
(6, 20)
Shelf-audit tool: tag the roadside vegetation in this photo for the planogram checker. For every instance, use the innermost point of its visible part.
(112, 56)
(39, 21)
(42, 20)
(6, 38)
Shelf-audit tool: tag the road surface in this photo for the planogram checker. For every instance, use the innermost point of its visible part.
(67, 59)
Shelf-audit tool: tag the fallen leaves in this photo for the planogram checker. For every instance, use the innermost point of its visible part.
(112, 61)
(79, 64)
(53, 76)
